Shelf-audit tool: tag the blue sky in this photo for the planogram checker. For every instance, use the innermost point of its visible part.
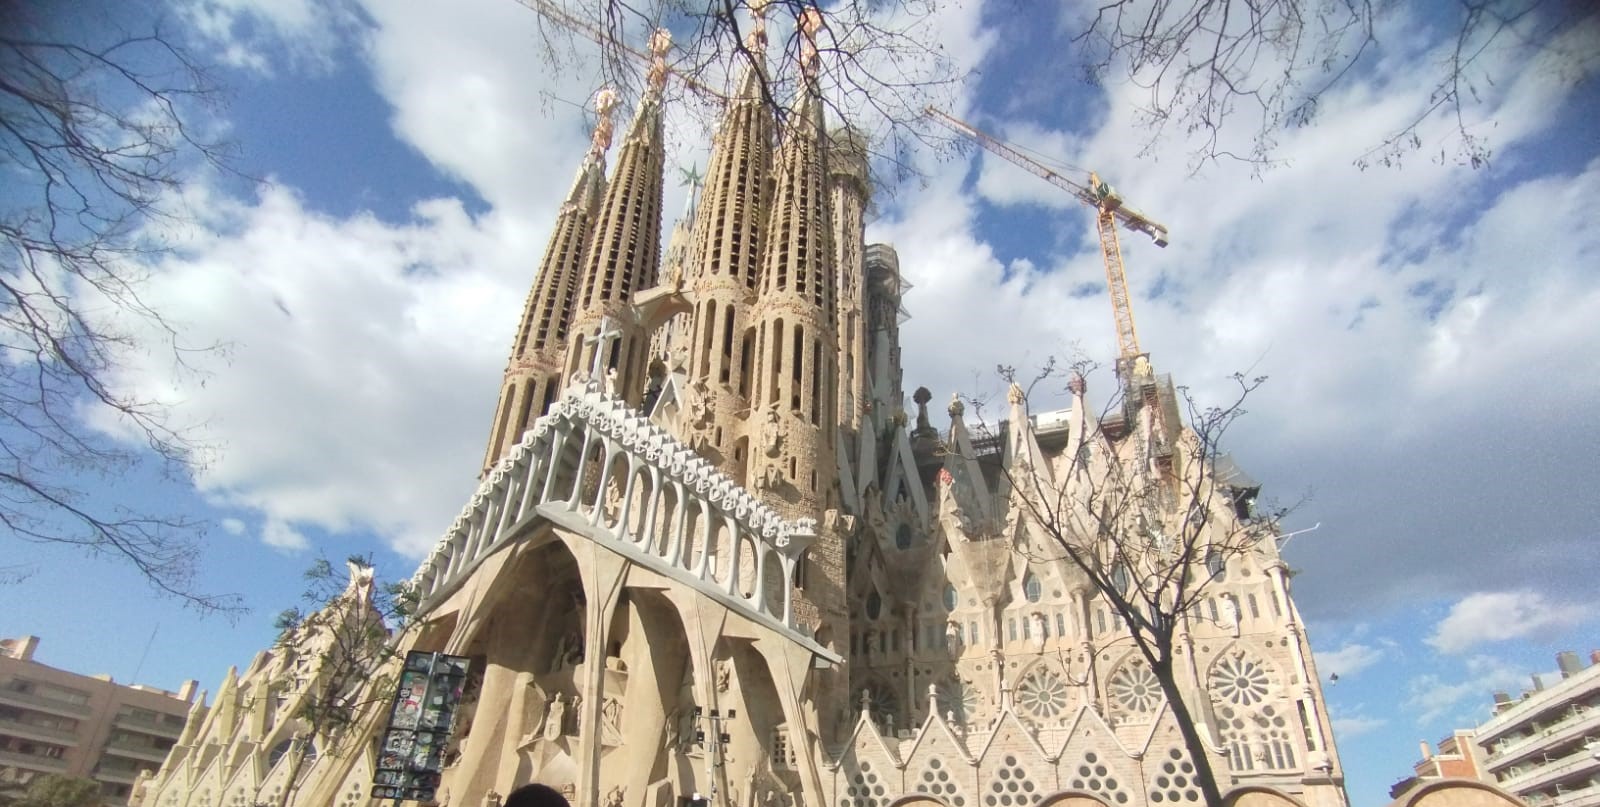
(1429, 331)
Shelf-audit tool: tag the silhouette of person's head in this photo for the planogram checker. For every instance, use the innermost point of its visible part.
(535, 795)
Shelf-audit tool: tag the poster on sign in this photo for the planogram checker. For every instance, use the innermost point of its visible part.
(420, 721)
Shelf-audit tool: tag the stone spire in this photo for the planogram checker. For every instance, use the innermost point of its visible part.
(624, 254)
(794, 398)
(850, 190)
(796, 313)
(729, 232)
(533, 373)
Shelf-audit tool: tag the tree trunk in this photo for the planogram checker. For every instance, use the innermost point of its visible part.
(297, 758)
(1204, 776)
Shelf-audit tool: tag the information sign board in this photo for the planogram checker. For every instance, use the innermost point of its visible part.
(421, 717)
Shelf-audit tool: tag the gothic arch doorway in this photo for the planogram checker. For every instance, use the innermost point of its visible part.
(1457, 793)
(1257, 796)
(1071, 798)
(918, 800)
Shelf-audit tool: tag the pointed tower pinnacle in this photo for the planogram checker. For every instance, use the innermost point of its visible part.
(727, 240)
(795, 400)
(624, 254)
(796, 313)
(533, 374)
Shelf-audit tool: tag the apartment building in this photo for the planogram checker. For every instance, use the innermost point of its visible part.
(1545, 746)
(55, 721)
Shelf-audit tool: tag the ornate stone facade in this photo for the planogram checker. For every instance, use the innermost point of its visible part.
(717, 501)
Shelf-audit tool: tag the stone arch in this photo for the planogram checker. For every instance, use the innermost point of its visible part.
(1457, 793)
(1259, 796)
(919, 800)
(667, 515)
(749, 559)
(522, 688)
(775, 580)
(647, 693)
(1072, 798)
(755, 734)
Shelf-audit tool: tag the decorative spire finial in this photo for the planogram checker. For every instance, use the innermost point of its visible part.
(757, 41)
(810, 23)
(605, 100)
(660, 43)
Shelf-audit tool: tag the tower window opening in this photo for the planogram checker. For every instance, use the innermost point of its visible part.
(777, 361)
(727, 343)
(746, 351)
(1255, 610)
(1061, 624)
(710, 320)
(795, 366)
(816, 381)
(1031, 588)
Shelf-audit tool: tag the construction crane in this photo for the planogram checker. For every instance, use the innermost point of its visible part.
(1109, 211)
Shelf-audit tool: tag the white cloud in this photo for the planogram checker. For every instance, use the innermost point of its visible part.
(1433, 698)
(1348, 660)
(279, 535)
(1318, 275)
(233, 526)
(248, 33)
(1500, 615)
(1347, 728)
(363, 361)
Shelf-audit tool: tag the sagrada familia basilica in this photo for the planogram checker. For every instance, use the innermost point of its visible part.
(715, 557)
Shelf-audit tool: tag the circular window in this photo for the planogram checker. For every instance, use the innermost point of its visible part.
(1031, 587)
(949, 598)
(874, 605)
(902, 537)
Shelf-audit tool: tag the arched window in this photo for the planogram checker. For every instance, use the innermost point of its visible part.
(1031, 588)
(1217, 565)
(902, 537)
(949, 597)
(874, 605)
(1120, 580)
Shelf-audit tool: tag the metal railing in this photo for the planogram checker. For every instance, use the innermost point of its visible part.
(29, 731)
(51, 705)
(33, 761)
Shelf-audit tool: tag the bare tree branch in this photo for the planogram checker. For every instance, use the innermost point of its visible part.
(96, 139)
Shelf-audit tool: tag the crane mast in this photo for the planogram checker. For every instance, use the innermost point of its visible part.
(1109, 211)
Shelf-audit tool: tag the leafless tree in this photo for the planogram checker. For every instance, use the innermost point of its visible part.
(95, 138)
(1204, 64)
(880, 65)
(1133, 507)
(344, 648)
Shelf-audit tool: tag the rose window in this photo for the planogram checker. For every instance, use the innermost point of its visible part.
(1136, 688)
(959, 697)
(1042, 693)
(1240, 680)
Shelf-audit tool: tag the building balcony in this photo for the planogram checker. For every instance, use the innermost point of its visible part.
(28, 731)
(1578, 763)
(28, 700)
(1568, 728)
(137, 751)
(158, 727)
(33, 762)
(119, 776)
(1582, 797)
